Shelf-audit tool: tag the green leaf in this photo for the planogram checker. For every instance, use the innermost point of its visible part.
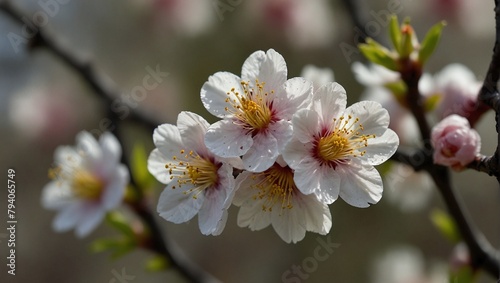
(139, 167)
(378, 54)
(464, 275)
(408, 39)
(431, 102)
(446, 225)
(120, 223)
(157, 263)
(117, 247)
(430, 42)
(395, 33)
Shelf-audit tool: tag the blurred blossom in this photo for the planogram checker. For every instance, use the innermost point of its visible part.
(406, 265)
(455, 143)
(407, 189)
(374, 75)
(303, 23)
(460, 257)
(45, 115)
(197, 181)
(186, 17)
(318, 76)
(88, 181)
(458, 88)
(272, 198)
(334, 148)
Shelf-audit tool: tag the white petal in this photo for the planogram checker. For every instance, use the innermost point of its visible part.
(262, 154)
(67, 159)
(289, 224)
(243, 190)
(372, 116)
(305, 125)
(226, 139)
(251, 67)
(192, 129)
(214, 92)
(273, 71)
(252, 216)
(297, 95)
(317, 215)
(177, 207)
(297, 153)
(111, 153)
(167, 139)
(282, 131)
(324, 182)
(68, 217)
(211, 211)
(156, 166)
(329, 101)
(56, 195)
(92, 218)
(361, 185)
(89, 146)
(115, 190)
(381, 148)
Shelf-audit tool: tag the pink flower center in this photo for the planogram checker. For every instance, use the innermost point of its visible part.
(276, 186)
(194, 170)
(252, 108)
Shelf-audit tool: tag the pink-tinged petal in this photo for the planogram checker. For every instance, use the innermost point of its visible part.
(114, 192)
(211, 211)
(89, 222)
(251, 67)
(329, 101)
(306, 125)
(273, 71)
(297, 153)
(380, 149)
(68, 217)
(297, 95)
(57, 195)
(262, 154)
(282, 131)
(192, 129)
(361, 185)
(214, 92)
(156, 166)
(289, 224)
(226, 139)
(177, 207)
(111, 153)
(167, 139)
(374, 118)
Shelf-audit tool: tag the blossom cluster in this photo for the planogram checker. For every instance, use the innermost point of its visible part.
(294, 147)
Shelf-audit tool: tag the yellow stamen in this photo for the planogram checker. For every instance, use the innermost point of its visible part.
(251, 108)
(86, 185)
(275, 186)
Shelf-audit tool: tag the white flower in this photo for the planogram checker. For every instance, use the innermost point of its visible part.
(318, 76)
(374, 75)
(334, 148)
(88, 182)
(271, 197)
(256, 110)
(197, 181)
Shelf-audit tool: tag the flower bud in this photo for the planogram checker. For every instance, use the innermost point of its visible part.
(455, 143)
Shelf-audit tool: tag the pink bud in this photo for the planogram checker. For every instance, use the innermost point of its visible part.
(455, 143)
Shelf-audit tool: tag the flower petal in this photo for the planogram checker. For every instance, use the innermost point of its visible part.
(289, 224)
(156, 166)
(361, 185)
(297, 95)
(272, 71)
(318, 218)
(68, 217)
(167, 139)
(114, 192)
(91, 219)
(211, 212)
(373, 117)
(305, 125)
(177, 207)
(381, 148)
(226, 139)
(262, 154)
(111, 153)
(251, 214)
(251, 67)
(324, 182)
(57, 195)
(297, 153)
(89, 147)
(192, 128)
(214, 92)
(329, 101)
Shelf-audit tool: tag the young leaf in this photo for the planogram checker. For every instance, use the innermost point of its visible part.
(119, 222)
(430, 42)
(395, 33)
(445, 224)
(378, 54)
(157, 263)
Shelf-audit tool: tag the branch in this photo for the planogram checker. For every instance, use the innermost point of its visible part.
(86, 72)
(358, 17)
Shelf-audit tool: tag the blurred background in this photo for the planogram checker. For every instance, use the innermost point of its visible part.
(43, 104)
